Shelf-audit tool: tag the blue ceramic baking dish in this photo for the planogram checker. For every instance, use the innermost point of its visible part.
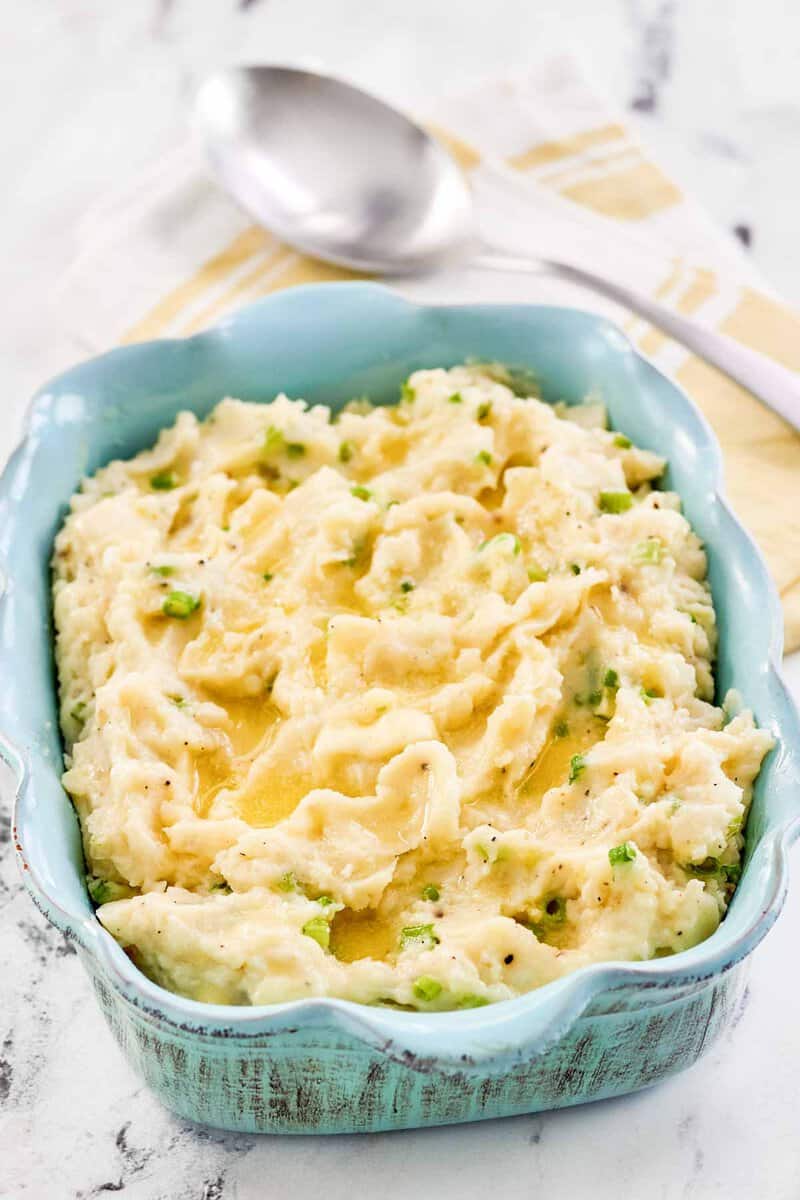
(327, 1066)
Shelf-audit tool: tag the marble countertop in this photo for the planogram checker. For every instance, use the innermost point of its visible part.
(90, 92)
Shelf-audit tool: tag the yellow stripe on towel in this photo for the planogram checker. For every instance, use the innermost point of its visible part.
(566, 147)
(155, 323)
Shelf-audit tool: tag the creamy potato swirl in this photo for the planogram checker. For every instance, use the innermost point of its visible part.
(411, 705)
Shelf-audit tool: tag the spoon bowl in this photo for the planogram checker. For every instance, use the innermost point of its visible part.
(348, 179)
(334, 170)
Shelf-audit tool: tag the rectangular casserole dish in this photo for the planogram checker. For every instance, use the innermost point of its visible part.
(326, 1066)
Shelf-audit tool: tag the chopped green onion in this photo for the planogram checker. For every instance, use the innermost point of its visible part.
(611, 678)
(318, 929)
(222, 886)
(360, 493)
(554, 912)
(179, 701)
(735, 826)
(577, 765)
(725, 873)
(267, 577)
(561, 729)
(483, 411)
(406, 586)
(358, 552)
(164, 570)
(709, 866)
(537, 574)
(502, 539)
(649, 694)
(649, 552)
(325, 900)
(180, 604)
(574, 568)
(484, 457)
(273, 439)
(427, 988)
(624, 853)
(456, 398)
(295, 449)
(470, 1000)
(418, 935)
(104, 891)
(346, 451)
(615, 502)
(623, 442)
(288, 882)
(407, 393)
(430, 892)
(163, 481)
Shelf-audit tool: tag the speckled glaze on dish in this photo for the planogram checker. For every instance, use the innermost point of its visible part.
(327, 1066)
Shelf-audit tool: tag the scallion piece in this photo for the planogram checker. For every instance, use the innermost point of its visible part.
(318, 929)
(427, 988)
(180, 605)
(470, 1000)
(418, 935)
(163, 481)
(614, 502)
(503, 540)
(577, 765)
(273, 439)
(649, 552)
(103, 891)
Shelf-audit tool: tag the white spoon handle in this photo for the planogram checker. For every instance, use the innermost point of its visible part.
(776, 386)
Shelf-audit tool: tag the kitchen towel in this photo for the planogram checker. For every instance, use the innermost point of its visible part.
(553, 170)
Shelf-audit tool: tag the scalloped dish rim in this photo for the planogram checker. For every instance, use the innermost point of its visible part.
(511, 1026)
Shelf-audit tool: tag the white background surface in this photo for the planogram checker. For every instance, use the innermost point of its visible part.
(89, 91)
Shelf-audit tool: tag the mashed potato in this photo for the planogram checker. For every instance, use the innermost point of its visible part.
(412, 705)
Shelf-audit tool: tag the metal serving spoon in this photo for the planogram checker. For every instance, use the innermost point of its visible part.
(346, 178)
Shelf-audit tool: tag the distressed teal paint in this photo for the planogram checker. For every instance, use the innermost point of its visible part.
(329, 1065)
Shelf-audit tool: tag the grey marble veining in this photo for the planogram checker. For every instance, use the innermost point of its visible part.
(91, 91)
